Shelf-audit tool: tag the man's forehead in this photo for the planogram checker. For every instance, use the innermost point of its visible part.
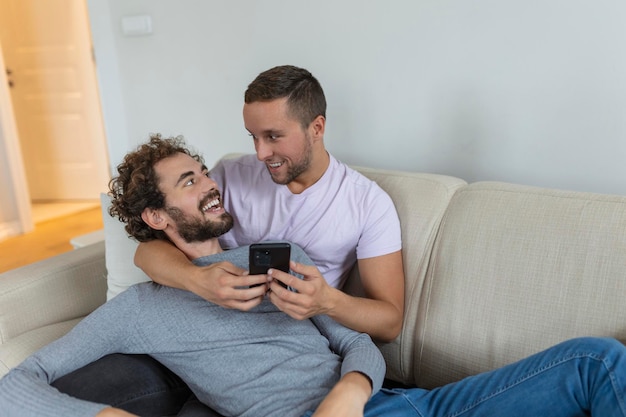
(267, 116)
(173, 169)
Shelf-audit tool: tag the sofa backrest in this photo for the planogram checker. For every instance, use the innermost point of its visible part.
(421, 201)
(514, 270)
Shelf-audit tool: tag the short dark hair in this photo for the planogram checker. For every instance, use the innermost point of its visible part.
(136, 186)
(305, 96)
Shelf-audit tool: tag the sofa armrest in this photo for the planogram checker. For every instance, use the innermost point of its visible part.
(61, 288)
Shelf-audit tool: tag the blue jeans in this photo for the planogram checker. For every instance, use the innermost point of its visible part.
(577, 378)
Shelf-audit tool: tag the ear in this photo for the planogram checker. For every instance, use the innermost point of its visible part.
(317, 127)
(153, 218)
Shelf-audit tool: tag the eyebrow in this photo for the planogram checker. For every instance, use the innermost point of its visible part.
(268, 132)
(188, 174)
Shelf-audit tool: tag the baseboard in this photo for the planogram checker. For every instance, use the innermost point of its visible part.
(9, 229)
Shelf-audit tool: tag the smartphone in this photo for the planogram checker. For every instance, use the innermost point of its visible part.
(264, 256)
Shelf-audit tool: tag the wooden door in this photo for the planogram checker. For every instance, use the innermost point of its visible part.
(47, 50)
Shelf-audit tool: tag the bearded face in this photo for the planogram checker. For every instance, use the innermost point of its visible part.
(194, 229)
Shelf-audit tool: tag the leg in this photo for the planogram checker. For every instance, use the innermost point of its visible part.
(136, 383)
(577, 378)
(194, 408)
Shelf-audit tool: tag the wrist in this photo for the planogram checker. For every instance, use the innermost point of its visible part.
(191, 278)
(358, 384)
(333, 300)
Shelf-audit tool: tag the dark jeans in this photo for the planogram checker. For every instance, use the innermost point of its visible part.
(135, 383)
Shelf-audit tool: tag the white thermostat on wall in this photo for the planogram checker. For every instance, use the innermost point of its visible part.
(137, 25)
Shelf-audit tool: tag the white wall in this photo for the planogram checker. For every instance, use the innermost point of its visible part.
(523, 91)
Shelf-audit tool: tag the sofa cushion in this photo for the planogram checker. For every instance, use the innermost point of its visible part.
(516, 269)
(119, 253)
(42, 301)
(13, 352)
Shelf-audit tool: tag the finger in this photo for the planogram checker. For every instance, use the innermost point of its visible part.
(284, 278)
(250, 280)
(245, 305)
(245, 293)
(304, 270)
(286, 306)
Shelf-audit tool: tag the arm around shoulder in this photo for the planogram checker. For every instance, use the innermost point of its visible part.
(165, 264)
(221, 283)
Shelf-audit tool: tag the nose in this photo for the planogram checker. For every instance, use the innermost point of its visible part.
(209, 183)
(263, 150)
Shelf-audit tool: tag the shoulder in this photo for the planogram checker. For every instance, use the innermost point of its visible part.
(242, 175)
(350, 176)
(241, 163)
(355, 186)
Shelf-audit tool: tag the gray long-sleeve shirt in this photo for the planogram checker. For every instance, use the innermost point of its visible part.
(256, 363)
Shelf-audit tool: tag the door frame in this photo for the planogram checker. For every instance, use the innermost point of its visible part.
(9, 140)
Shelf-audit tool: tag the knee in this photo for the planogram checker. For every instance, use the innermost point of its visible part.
(598, 346)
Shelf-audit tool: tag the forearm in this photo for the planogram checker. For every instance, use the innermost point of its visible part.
(357, 384)
(381, 312)
(380, 319)
(165, 264)
(347, 398)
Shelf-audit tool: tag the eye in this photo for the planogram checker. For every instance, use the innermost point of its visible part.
(190, 182)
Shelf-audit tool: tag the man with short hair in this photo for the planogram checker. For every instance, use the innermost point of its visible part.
(294, 189)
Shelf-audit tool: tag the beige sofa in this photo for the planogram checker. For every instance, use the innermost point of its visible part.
(494, 272)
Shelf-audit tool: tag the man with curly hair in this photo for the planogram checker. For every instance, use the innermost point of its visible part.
(163, 192)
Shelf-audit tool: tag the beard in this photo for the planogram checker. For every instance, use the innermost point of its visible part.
(199, 230)
(299, 167)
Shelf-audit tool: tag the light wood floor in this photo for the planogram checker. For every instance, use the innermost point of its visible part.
(49, 238)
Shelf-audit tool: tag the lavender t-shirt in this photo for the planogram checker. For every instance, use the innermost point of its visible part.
(341, 218)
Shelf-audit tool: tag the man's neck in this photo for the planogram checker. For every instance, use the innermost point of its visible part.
(196, 250)
(312, 175)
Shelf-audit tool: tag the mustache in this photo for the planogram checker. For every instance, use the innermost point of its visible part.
(212, 195)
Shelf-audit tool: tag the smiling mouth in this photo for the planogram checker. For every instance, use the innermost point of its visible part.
(274, 165)
(212, 202)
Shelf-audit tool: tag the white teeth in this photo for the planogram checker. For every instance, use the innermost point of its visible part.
(275, 164)
(211, 204)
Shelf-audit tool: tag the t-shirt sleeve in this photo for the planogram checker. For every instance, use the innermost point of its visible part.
(381, 233)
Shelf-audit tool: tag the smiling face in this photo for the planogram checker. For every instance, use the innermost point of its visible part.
(289, 151)
(193, 205)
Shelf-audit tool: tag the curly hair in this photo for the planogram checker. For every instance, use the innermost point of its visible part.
(136, 186)
(305, 96)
